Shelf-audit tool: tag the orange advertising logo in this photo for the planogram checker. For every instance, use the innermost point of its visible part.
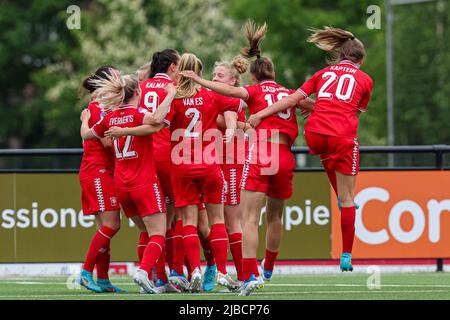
(401, 215)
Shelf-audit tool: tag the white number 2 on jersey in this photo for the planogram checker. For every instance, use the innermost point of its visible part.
(195, 115)
(283, 114)
(126, 153)
(331, 79)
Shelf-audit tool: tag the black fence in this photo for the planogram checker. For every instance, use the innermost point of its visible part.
(380, 158)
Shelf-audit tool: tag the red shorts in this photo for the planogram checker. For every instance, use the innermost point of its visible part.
(342, 153)
(198, 190)
(164, 173)
(98, 194)
(142, 202)
(269, 171)
(233, 176)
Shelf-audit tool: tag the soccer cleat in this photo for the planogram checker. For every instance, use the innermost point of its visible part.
(339, 204)
(267, 274)
(141, 278)
(209, 278)
(179, 280)
(86, 279)
(346, 262)
(166, 287)
(248, 286)
(196, 281)
(239, 285)
(107, 286)
(226, 281)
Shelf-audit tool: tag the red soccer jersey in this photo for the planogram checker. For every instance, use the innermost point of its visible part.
(96, 158)
(340, 91)
(153, 93)
(194, 132)
(232, 150)
(135, 166)
(263, 95)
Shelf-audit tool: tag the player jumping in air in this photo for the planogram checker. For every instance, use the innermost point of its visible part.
(342, 92)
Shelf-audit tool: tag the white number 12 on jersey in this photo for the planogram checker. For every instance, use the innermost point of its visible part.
(126, 153)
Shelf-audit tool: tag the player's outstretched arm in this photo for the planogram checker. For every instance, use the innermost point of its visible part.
(218, 87)
(156, 118)
(85, 132)
(231, 125)
(143, 130)
(306, 104)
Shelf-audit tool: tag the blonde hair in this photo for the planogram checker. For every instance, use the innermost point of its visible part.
(340, 44)
(143, 72)
(187, 87)
(262, 68)
(116, 89)
(237, 66)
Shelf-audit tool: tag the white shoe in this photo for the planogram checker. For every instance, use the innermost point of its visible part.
(141, 278)
(196, 281)
(179, 280)
(226, 281)
(248, 287)
(142, 291)
(237, 289)
(168, 288)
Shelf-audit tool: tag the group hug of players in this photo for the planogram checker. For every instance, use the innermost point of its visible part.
(143, 136)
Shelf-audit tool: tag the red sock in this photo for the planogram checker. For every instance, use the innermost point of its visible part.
(219, 244)
(207, 251)
(178, 248)
(103, 260)
(143, 240)
(99, 244)
(331, 173)
(188, 267)
(236, 251)
(269, 260)
(152, 252)
(169, 248)
(249, 267)
(347, 228)
(191, 246)
(161, 266)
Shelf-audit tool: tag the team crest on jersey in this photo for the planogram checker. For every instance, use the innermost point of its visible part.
(113, 201)
(102, 114)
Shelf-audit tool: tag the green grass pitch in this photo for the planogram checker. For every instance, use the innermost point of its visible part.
(409, 286)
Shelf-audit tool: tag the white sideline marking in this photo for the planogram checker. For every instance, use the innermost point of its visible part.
(93, 295)
(267, 284)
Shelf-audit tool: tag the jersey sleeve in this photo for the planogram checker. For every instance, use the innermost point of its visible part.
(99, 128)
(140, 115)
(251, 90)
(309, 87)
(366, 97)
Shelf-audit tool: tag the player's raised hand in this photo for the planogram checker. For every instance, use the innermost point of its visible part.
(254, 120)
(170, 89)
(115, 132)
(85, 115)
(190, 74)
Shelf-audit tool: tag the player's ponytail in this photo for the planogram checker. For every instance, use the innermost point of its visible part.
(236, 67)
(340, 44)
(100, 73)
(116, 89)
(186, 86)
(262, 68)
(162, 60)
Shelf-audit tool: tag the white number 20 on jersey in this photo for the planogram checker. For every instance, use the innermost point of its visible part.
(331, 78)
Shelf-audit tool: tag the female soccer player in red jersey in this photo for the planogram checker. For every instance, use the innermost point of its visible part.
(267, 172)
(234, 157)
(99, 196)
(342, 92)
(197, 176)
(135, 176)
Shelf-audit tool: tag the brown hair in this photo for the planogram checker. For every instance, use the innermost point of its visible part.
(116, 89)
(100, 73)
(237, 66)
(162, 60)
(187, 87)
(262, 68)
(340, 44)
